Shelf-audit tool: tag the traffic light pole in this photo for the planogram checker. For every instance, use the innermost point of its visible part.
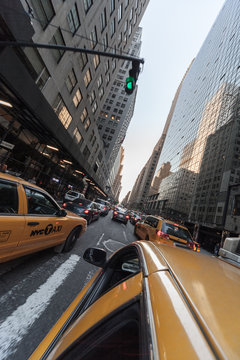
(69, 48)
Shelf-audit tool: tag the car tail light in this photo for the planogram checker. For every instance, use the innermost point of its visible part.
(86, 211)
(64, 204)
(115, 212)
(135, 218)
(192, 246)
(127, 217)
(162, 234)
(79, 203)
(104, 208)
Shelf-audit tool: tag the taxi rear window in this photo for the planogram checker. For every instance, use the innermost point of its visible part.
(175, 230)
(8, 198)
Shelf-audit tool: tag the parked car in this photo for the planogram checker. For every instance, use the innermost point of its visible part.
(150, 301)
(31, 220)
(156, 228)
(84, 208)
(120, 215)
(73, 195)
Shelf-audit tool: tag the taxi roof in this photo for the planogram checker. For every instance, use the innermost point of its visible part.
(19, 180)
(211, 287)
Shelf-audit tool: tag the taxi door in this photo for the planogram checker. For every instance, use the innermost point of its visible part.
(43, 227)
(12, 220)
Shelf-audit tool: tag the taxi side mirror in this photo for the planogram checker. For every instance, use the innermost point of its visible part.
(95, 256)
(61, 213)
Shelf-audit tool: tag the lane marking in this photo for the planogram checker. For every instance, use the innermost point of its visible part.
(16, 326)
(114, 245)
(99, 241)
(125, 236)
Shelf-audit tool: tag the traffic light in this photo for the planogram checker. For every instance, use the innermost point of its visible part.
(132, 78)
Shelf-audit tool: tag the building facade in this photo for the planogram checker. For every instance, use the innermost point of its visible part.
(64, 92)
(202, 143)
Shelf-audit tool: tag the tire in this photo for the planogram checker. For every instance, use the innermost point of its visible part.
(71, 239)
(89, 220)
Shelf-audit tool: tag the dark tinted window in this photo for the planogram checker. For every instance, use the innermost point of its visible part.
(40, 203)
(8, 198)
(83, 202)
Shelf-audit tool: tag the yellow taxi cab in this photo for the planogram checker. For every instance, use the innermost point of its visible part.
(150, 301)
(156, 228)
(31, 220)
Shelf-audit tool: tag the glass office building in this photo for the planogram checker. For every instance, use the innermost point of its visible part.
(203, 139)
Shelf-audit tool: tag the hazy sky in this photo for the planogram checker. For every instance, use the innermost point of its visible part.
(173, 32)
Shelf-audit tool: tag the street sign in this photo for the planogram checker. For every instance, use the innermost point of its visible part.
(7, 145)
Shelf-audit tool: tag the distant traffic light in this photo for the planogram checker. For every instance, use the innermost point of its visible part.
(132, 78)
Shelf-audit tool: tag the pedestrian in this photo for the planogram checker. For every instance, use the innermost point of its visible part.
(216, 248)
(3, 168)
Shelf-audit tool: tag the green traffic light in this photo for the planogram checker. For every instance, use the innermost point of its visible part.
(130, 83)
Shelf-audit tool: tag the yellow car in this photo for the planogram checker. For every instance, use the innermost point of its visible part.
(31, 220)
(156, 228)
(150, 301)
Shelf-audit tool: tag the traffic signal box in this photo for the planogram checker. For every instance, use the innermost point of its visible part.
(132, 78)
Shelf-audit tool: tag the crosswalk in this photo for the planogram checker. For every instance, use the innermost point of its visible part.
(18, 323)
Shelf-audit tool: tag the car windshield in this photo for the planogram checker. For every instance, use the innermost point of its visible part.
(175, 230)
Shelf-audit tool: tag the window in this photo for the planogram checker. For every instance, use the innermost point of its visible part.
(106, 66)
(125, 26)
(87, 4)
(92, 97)
(87, 78)
(77, 136)
(8, 198)
(96, 61)
(103, 20)
(44, 11)
(73, 19)
(84, 115)
(58, 40)
(83, 59)
(87, 124)
(236, 207)
(77, 98)
(126, 3)
(40, 203)
(120, 11)
(86, 152)
(112, 6)
(41, 75)
(94, 107)
(112, 28)
(105, 42)
(71, 80)
(93, 37)
(62, 112)
(107, 79)
(101, 92)
(100, 81)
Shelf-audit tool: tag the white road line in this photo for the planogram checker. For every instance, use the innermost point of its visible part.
(125, 236)
(13, 329)
(112, 245)
(99, 241)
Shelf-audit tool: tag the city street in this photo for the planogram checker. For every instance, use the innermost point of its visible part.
(36, 290)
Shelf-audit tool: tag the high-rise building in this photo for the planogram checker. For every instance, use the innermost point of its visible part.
(64, 92)
(202, 143)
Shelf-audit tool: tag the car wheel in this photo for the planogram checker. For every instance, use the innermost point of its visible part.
(89, 220)
(71, 239)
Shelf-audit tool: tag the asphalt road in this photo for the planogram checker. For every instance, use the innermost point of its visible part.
(36, 290)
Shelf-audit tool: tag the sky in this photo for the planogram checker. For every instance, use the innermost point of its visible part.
(173, 32)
